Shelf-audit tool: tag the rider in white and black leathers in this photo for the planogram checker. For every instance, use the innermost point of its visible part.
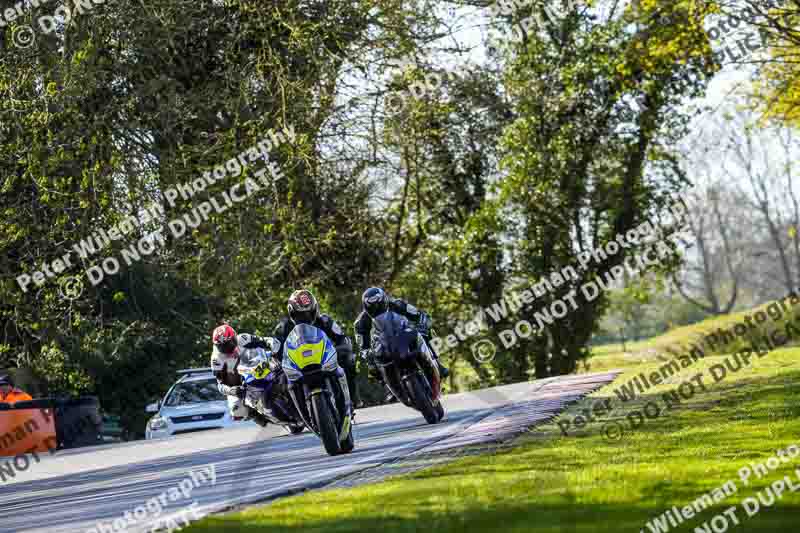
(227, 346)
(376, 301)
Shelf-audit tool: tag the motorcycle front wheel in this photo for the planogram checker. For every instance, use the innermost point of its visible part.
(326, 425)
(422, 399)
(349, 443)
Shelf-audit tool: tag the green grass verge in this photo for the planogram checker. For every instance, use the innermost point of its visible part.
(584, 482)
(678, 340)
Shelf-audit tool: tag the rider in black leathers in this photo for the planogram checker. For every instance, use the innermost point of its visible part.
(304, 309)
(376, 301)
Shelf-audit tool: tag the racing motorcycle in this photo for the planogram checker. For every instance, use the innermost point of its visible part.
(406, 363)
(318, 387)
(260, 377)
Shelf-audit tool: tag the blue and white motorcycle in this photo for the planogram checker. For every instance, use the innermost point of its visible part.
(318, 387)
(264, 392)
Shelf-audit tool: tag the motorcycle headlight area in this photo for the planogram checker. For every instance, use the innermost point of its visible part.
(330, 361)
(157, 422)
(291, 372)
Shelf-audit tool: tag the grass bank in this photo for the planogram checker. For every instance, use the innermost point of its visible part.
(587, 481)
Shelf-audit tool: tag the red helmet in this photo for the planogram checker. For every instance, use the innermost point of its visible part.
(224, 338)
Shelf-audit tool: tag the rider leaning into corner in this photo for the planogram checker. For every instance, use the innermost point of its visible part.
(225, 357)
(304, 309)
(375, 302)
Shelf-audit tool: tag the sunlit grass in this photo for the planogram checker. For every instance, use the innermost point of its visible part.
(678, 341)
(583, 482)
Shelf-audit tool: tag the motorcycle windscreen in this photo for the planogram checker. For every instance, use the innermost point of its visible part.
(254, 365)
(395, 335)
(307, 345)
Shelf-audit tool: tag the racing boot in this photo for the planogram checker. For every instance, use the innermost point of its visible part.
(443, 370)
(372, 369)
(258, 418)
(352, 386)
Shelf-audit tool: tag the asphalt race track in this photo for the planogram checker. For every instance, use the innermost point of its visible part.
(74, 489)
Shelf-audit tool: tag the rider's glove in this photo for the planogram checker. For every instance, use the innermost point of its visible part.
(239, 392)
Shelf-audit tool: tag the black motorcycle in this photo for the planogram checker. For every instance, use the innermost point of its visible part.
(407, 365)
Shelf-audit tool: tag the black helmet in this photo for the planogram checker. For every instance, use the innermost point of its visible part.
(303, 307)
(375, 301)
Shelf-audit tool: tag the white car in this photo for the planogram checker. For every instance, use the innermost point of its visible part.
(193, 403)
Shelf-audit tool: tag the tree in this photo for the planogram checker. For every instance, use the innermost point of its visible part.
(776, 88)
(598, 107)
(482, 184)
(628, 305)
(714, 271)
(760, 159)
(102, 116)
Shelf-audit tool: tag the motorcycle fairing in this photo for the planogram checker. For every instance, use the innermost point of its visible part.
(395, 336)
(308, 346)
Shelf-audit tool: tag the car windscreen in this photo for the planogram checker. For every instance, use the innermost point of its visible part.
(194, 392)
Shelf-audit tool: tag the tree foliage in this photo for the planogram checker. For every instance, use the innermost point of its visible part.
(485, 183)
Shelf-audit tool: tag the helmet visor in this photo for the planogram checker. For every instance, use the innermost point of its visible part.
(306, 316)
(376, 309)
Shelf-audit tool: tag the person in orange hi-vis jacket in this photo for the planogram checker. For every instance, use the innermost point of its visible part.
(23, 430)
(9, 393)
